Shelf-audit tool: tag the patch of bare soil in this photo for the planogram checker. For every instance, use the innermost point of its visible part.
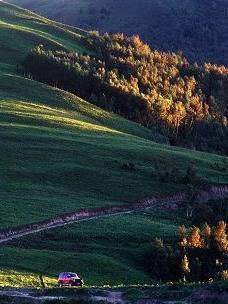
(112, 297)
(198, 297)
(20, 296)
(207, 296)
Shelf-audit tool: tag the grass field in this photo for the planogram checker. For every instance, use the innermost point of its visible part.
(108, 251)
(59, 153)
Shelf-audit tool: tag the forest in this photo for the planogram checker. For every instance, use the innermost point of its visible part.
(200, 254)
(187, 103)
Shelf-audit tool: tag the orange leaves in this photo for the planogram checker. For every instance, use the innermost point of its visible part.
(220, 235)
(194, 240)
(205, 238)
(222, 70)
(148, 86)
(118, 37)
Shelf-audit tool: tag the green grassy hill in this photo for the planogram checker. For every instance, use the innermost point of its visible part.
(59, 153)
(199, 28)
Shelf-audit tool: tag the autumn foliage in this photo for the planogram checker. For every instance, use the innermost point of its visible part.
(158, 90)
(200, 255)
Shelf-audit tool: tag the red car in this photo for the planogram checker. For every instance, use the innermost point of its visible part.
(69, 279)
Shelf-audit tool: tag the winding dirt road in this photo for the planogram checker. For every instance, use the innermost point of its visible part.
(171, 201)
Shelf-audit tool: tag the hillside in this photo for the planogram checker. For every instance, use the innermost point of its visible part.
(198, 28)
(59, 153)
(185, 103)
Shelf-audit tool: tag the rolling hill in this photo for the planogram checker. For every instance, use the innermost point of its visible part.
(59, 153)
(198, 28)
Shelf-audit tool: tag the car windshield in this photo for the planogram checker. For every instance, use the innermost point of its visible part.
(73, 275)
(68, 275)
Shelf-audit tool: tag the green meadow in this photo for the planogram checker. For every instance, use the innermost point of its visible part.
(59, 153)
(106, 251)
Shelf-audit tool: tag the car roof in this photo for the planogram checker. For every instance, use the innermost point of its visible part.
(67, 272)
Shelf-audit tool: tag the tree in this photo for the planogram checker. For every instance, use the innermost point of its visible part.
(161, 268)
(186, 102)
(181, 232)
(185, 267)
(220, 236)
(207, 233)
(196, 269)
(194, 239)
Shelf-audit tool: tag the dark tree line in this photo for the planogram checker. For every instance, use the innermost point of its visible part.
(199, 255)
(186, 103)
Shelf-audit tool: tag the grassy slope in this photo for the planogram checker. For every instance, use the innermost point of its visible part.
(164, 24)
(21, 30)
(107, 251)
(59, 153)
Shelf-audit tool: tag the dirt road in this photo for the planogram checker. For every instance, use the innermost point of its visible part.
(171, 201)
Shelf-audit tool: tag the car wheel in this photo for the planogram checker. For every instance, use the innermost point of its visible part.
(71, 283)
(60, 285)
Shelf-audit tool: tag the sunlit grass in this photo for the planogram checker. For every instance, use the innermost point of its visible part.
(59, 153)
(11, 278)
(21, 30)
(56, 40)
(46, 115)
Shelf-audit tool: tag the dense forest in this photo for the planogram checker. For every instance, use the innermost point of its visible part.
(197, 27)
(163, 91)
(199, 255)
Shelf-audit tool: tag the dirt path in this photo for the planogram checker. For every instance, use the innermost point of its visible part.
(24, 295)
(112, 297)
(36, 297)
(166, 202)
(150, 295)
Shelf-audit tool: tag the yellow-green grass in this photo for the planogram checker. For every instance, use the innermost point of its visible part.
(19, 279)
(21, 30)
(59, 153)
(54, 161)
(106, 251)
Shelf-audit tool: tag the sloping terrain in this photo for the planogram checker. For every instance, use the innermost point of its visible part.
(198, 28)
(59, 154)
